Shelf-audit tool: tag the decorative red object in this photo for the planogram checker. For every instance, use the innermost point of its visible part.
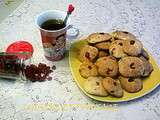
(70, 8)
(24, 48)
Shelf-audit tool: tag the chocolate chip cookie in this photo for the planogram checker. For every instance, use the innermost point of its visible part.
(98, 37)
(131, 85)
(88, 69)
(116, 49)
(113, 87)
(145, 54)
(131, 67)
(123, 35)
(103, 53)
(148, 68)
(107, 66)
(93, 86)
(88, 53)
(103, 45)
(132, 47)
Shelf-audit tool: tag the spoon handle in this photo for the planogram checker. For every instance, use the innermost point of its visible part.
(69, 11)
(66, 18)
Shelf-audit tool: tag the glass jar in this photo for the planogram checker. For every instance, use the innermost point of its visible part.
(12, 66)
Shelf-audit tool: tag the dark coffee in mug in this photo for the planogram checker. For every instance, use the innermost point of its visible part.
(53, 24)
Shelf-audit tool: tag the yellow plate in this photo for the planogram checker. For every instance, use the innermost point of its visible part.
(149, 83)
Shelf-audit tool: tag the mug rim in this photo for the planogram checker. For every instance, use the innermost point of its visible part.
(36, 21)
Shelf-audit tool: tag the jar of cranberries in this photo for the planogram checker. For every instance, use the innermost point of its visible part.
(15, 63)
(12, 66)
(17, 66)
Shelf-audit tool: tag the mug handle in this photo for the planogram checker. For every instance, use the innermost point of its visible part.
(72, 32)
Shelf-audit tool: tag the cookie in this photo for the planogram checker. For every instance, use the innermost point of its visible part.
(145, 54)
(131, 67)
(131, 85)
(116, 49)
(88, 69)
(132, 47)
(88, 53)
(123, 35)
(103, 45)
(107, 66)
(113, 87)
(98, 37)
(148, 68)
(93, 86)
(103, 54)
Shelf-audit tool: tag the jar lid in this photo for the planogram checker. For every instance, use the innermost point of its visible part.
(23, 48)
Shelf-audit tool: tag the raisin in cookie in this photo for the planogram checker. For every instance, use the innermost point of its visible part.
(122, 35)
(131, 85)
(98, 37)
(132, 47)
(131, 66)
(113, 87)
(103, 45)
(107, 66)
(93, 86)
(148, 68)
(88, 69)
(88, 53)
(116, 49)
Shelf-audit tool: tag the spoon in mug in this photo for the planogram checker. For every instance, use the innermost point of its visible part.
(69, 11)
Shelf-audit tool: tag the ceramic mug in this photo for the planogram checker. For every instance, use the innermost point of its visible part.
(54, 41)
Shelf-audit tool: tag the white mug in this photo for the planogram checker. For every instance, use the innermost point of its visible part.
(54, 41)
